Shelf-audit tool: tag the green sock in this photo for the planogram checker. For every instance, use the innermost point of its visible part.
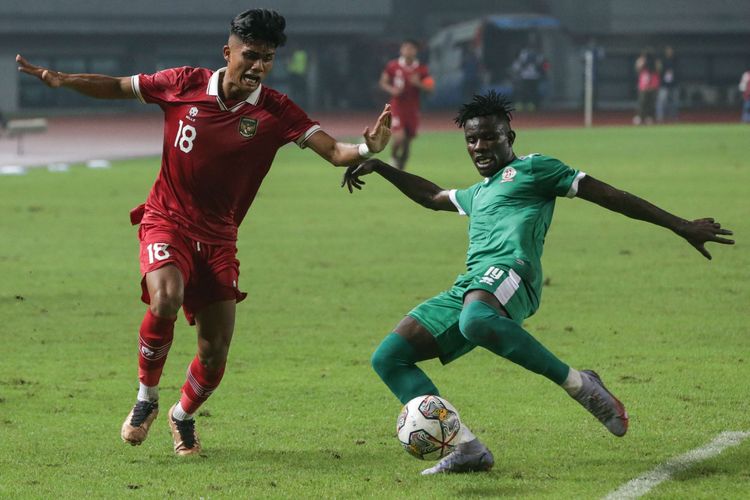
(483, 326)
(395, 362)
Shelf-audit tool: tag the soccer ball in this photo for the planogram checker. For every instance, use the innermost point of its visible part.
(428, 427)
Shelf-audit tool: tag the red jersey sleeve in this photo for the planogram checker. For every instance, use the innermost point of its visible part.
(162, 87)
(296, 126)
(423, 72)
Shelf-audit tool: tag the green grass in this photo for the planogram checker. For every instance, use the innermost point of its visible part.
(300, 413)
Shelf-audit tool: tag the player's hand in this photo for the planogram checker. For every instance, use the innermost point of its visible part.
(378, 138)
(700, 231)
(50, 77)
(352, 175)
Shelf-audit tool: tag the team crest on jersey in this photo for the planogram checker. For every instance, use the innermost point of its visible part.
(508, 174)
(248, 126)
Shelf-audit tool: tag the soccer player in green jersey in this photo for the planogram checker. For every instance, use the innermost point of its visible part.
(509, 213)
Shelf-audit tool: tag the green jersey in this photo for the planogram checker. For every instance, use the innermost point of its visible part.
(509, 215)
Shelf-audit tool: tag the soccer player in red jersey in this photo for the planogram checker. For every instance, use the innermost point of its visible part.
(221, 132)
(404, 78)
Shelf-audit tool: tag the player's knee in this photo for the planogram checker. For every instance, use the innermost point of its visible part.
(476, 323)
(166, 302)
(389, 356)
(382, 362)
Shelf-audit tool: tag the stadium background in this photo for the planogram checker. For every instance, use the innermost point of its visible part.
(347, 44)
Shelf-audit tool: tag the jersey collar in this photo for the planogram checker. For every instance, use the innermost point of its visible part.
(213, 90)
(402, 63)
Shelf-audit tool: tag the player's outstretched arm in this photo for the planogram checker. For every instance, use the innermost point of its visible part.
(420, 190)
(343, 154)
(697, 232)
(99, 86)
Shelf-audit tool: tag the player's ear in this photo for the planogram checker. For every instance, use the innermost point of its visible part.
(511, 136)
(226, 53)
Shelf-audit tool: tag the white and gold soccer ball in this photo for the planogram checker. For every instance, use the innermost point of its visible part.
(428, 427)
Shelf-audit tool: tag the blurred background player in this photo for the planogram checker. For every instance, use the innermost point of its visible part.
(404, 78)
(222, 130)
(510, 211)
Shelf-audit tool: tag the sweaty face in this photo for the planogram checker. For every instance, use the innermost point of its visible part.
(489, 141)
(248, 63)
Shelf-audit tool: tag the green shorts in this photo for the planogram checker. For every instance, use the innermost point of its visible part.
(440, 313)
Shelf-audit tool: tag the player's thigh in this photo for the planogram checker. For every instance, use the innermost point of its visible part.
(439, 317)
(419, 337)
(165, 263)
(166, 284)
(508, 289)
(215, 279)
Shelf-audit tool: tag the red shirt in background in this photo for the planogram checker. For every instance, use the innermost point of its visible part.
(399, 74)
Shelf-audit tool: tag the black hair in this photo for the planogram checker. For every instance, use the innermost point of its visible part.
(412, 41)
(259, 25)
(488, 104)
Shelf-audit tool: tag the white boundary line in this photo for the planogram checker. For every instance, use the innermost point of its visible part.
(664, 472)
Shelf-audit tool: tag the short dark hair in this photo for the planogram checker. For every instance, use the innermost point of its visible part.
(411, 41)
(488, 104)
(259, 25)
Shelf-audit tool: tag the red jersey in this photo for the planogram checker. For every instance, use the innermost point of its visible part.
(399, 75)
(214, 156)
(648, 80)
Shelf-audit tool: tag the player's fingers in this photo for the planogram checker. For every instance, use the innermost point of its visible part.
(703, 251)
(22, 62)
(723, 241)
(724, 231)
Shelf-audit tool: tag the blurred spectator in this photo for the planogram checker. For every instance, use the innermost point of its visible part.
(528, 70)
(297, 69)
(648, 87)
(472, 82)
(667, 102)
(745, 89)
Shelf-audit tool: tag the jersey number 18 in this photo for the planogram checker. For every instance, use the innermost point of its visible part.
(185, 136)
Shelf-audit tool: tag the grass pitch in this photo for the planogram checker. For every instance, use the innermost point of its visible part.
(300, 413)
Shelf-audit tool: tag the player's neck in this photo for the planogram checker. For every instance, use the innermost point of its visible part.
(227, 96)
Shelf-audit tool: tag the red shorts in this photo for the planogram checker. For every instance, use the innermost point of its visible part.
(211, 272)
(408, 121)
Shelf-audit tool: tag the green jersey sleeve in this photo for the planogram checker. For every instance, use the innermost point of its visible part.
(554, 178)
(463, 198)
